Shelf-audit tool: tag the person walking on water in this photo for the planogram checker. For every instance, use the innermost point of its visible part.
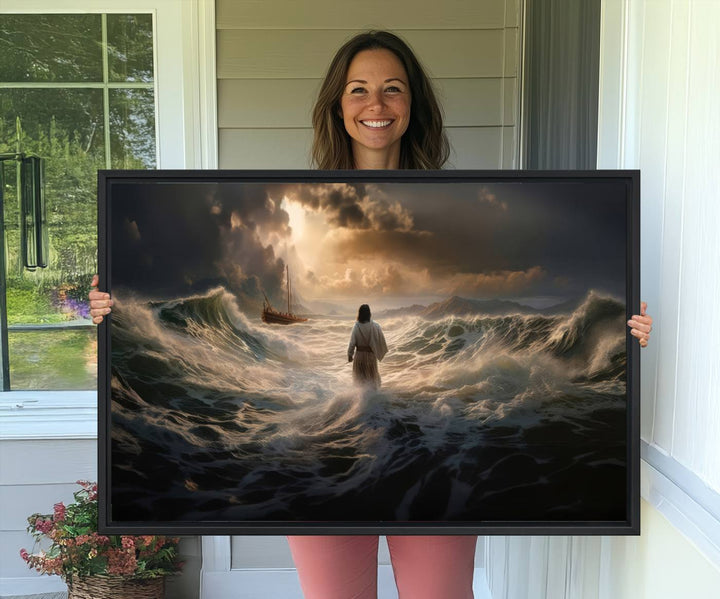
(368, 339)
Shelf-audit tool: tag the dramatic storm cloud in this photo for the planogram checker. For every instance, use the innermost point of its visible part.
(352, 206)
(351, 240)
(181, 238)
(494, 240)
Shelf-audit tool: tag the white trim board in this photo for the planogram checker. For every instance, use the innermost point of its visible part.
(48, 415)
(693, 508)
(697, 490)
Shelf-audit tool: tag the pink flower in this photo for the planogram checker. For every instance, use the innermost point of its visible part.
(89, 488)
(121, 562)
(72, 554)
(53, 565)
(128, 542)
(44, 526)
(59, 509)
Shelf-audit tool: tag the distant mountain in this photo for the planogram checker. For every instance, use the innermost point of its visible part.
(405, 311)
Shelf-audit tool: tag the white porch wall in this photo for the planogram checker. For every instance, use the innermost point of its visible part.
(271, 58)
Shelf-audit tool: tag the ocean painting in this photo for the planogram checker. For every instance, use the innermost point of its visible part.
(502, 396)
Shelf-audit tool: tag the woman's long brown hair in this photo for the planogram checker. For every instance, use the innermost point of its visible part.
(424, 145)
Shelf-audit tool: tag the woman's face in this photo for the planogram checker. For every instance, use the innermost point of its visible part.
(375, 105)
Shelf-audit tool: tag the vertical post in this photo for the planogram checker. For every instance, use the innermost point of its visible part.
(5, 372)
(287, 270)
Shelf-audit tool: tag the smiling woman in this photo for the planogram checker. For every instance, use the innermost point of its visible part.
(375, 77)
(376, 108)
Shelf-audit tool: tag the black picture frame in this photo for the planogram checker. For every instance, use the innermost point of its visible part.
(589, 188)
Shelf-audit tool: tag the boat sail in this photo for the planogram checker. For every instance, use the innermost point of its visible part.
(272, 316)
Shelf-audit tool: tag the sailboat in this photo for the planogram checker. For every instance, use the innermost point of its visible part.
(272, 316)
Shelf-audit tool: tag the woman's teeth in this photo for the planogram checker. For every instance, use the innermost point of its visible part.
(376, 124)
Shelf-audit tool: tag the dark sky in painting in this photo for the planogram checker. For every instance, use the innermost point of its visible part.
(509, 240)
(171, 239)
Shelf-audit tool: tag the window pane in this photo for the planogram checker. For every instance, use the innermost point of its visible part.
(132, 128)
(75, 117)
(53, 359)
(50, 48)
(65, 127)
(130, 47)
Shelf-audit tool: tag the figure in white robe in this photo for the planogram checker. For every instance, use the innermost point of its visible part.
(367, 347)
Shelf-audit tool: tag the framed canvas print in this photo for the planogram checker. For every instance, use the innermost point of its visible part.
(393, 352)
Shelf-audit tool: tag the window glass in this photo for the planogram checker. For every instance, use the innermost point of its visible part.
(132, 128)
(52, 342)
(37, 48)
(130, 47)
(55, 359)
(52, 120)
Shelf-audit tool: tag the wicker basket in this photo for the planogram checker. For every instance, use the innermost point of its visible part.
(116, 587)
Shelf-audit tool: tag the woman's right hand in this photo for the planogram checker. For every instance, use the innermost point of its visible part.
(100, 302)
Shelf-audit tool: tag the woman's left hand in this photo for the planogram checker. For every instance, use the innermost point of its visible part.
(641, 325)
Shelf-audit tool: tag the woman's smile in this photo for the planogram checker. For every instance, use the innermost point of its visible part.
(377, 124)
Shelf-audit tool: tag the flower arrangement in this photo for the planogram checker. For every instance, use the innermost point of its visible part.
(78, 551)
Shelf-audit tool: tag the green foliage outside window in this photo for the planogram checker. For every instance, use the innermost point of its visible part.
(64, 86)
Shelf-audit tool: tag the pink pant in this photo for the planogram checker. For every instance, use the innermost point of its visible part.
(336, 567)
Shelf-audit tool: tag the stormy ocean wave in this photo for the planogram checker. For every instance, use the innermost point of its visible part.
(218, 416)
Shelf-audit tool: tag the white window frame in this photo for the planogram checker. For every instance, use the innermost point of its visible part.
(186, 131)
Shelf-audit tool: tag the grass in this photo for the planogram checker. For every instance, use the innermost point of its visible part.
(53, 359)
(29, 306)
